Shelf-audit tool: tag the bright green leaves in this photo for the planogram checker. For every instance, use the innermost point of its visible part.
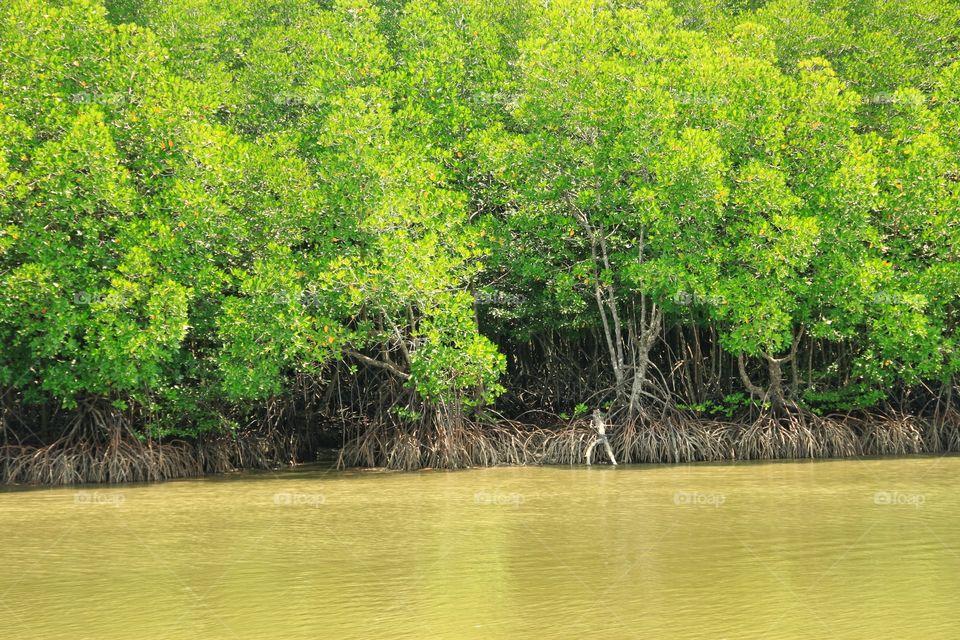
(294, 69)
(232, 194)
(690, 178)
(273, 325)
(451, 362)
(820, 122)
(802, 31)
(761, 270)
(452, 71)
(744, 168)
(763, 191)
(79, 176)
(89, 305)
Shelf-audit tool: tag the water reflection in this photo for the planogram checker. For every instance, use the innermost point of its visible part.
(852, 549)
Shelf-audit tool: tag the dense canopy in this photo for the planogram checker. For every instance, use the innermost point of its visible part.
(434, 215)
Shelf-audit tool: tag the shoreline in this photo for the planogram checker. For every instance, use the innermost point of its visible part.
(124, 460)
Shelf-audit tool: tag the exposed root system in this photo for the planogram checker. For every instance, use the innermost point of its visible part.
(99, 448)
(670, 441)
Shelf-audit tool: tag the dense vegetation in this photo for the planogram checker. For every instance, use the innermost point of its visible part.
(228, 226)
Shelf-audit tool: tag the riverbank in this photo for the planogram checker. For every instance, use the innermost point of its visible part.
(670, 441)
(124, 458)
(120, 459)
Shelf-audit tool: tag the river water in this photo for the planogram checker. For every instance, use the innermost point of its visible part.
(835, 549)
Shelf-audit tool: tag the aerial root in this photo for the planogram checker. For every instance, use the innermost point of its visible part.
(676, 439)
(121, 457)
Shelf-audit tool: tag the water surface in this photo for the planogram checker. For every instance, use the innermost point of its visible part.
(836, 549)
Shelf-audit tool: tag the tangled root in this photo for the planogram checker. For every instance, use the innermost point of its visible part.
(98, 448)
(674, 440)
(124, 458)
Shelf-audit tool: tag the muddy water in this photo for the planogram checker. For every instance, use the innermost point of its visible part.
(852, 549)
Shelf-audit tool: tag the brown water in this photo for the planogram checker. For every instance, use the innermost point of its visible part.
(852, 549)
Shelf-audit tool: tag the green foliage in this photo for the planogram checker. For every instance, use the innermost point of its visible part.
(201, 201)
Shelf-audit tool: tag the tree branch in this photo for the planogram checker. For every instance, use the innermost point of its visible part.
(378, 364)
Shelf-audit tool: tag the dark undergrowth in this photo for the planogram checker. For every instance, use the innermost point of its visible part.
(95, 452)
(128, 459)
(674, 440)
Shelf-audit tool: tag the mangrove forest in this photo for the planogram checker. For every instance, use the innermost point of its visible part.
(456, 233)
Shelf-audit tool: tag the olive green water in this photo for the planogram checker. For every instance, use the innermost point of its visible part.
(852, 549)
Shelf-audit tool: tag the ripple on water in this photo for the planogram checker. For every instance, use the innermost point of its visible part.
(851, 549)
